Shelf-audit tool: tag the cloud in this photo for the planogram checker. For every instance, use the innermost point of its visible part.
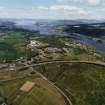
(62, 9)
(57, 7)
(85, 2)
(94, 2)
(40, 8)
(1, 8)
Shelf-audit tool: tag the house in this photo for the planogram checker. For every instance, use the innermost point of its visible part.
(12, 67)
(34, 43)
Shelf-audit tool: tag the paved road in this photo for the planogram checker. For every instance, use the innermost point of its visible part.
(85, 62)
(51, 62)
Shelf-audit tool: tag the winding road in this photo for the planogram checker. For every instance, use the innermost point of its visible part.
(99, 63)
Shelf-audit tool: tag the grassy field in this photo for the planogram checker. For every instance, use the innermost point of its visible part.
(12, 46)
(84, 84)
(43, 93)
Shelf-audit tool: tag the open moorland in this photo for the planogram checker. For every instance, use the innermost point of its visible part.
(82, 83)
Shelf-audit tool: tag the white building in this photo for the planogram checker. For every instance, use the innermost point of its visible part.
(34, 43)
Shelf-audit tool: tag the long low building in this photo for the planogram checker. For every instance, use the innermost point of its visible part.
(34, 43)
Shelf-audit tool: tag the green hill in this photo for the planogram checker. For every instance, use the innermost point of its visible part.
(83, 83)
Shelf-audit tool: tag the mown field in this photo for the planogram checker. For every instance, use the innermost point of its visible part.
(43, 93)
(84, 84)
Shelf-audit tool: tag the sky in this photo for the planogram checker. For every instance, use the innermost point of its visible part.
(53, 9)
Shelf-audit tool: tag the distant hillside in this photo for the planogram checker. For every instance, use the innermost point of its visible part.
(94, 30)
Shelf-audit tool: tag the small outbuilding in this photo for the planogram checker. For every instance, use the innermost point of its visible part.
(27, 86)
